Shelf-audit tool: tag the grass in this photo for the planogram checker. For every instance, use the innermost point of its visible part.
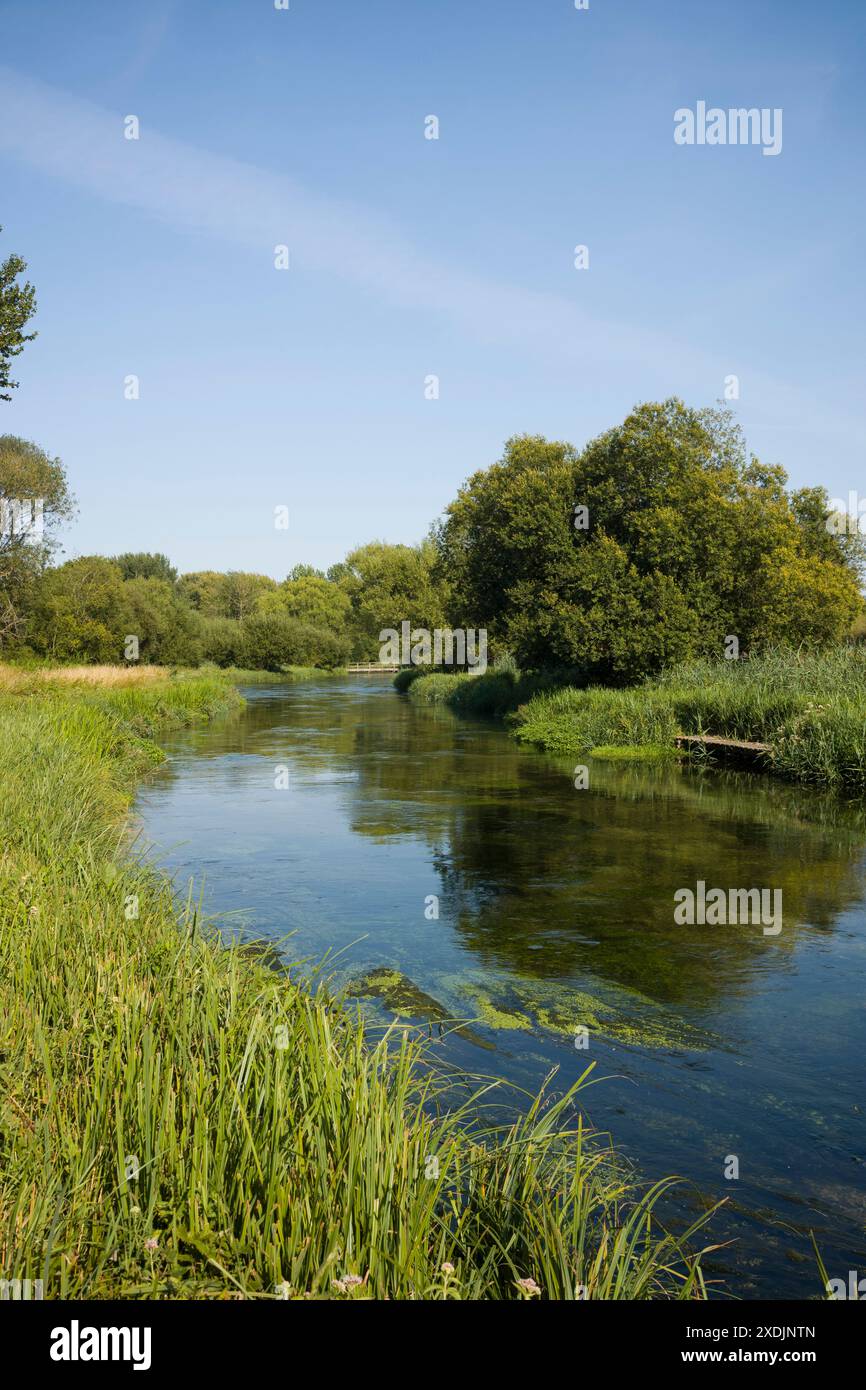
(809, 707)
(491, 695)
(19, 678)
(240, 675)
(177, 1120)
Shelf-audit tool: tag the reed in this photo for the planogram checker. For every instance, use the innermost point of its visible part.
(808, 707)
(178, 1120)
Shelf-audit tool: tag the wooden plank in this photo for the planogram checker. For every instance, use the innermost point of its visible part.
(714, 741)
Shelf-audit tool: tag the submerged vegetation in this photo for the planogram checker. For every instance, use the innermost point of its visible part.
(179, 1120)
(809, 707)
(524, 1004)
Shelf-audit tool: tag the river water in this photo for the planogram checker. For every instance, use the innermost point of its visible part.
(451, 873)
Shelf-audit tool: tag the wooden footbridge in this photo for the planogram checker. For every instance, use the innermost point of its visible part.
(372, 668)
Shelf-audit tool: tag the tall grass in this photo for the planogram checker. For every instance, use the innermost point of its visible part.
(810, 708)
(177, 1120)
(492, 694)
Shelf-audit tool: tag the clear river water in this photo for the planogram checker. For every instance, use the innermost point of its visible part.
(337, 814)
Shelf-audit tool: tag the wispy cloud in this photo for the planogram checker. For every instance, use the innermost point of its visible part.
(210, 195)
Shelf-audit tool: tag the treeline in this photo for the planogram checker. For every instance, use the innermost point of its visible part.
(659, 542)
(663, 540)
(137, 607)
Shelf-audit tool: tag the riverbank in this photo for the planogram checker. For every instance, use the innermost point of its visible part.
(180, 1121)
(808, 708)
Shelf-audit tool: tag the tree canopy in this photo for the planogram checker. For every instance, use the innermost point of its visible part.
(654, 543)
(17, 306)
(658, 541)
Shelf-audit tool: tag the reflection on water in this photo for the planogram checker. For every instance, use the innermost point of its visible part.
(555, 912)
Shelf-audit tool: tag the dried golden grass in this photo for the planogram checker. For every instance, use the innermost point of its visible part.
(14, 679)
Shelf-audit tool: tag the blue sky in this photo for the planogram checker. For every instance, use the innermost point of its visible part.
(411, 257)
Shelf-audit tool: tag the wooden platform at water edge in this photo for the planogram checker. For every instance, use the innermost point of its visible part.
(732, 749)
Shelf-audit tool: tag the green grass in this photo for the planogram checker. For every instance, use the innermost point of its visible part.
(177, 1120)
(809, 707)
(240, 675)
(491, 695)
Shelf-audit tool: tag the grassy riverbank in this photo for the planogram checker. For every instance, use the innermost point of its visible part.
(178, 1120)
(810, 708)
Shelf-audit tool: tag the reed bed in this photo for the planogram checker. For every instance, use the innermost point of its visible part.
(809, 707)
(178, 1120)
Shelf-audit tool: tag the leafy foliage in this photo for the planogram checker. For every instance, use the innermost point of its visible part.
(17, 306)
(653, 545)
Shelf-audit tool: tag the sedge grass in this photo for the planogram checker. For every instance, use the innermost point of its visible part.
(809, 707)
(177, 1120)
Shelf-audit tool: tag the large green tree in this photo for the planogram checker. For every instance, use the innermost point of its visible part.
(78, 613)
(311, 598)
(17, 306)
(146, 564)
(34, 502)
(387, 585)
(168, 630)
(657, 541)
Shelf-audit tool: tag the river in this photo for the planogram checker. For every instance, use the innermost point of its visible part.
(445, 870)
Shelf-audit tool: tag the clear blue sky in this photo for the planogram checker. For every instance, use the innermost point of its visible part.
(411, 256)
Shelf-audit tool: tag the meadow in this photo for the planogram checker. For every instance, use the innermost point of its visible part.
(182, 1118)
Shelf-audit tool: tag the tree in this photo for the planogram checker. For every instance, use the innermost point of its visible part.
(17, 305)
(146, 565)
(203, 590)
(311, 598)
(270, 642)
(78, 613)
(34, 502)
(168, 630)
(655, 543)
(239, 593)
(387, 585)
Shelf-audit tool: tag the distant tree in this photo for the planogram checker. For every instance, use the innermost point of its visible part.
(146, 565)
(78, 612)
(305, 572)
(222, 641)
(387, 585)
(204, 590)
(240, 592)
(270, 642)
(34, 502)
(233, 595)
(311, 598)
(168, 630)
(17, 305)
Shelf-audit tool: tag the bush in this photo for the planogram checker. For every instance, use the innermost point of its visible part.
(221, 641)
(270, 642)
